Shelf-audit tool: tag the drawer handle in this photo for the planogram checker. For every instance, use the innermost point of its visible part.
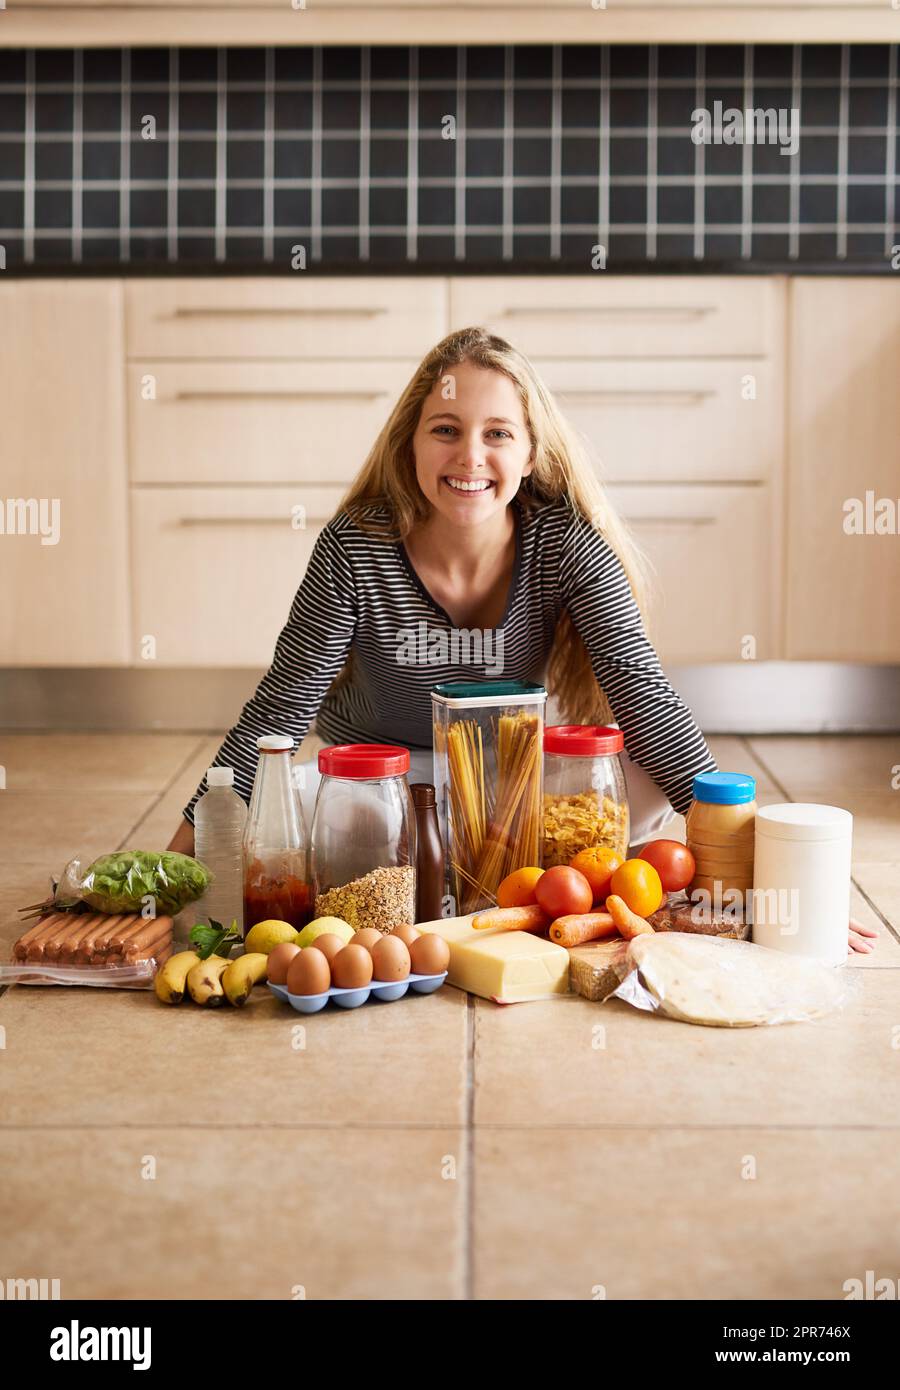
(650, 396)
(225, 396)
(672, 313)
(188, 311)
(672, 520)
(244, 520)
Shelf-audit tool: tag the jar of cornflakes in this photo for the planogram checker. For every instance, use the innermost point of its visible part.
(585, 798)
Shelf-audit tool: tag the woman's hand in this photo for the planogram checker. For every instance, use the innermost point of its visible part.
(859, 939)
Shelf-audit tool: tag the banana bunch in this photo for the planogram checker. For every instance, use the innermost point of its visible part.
(209, 981)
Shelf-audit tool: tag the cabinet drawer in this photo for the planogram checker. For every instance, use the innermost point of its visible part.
(673, 421)
(222, 422)
(282, 317)
(216, 569)
(710, 550)
(629, 316)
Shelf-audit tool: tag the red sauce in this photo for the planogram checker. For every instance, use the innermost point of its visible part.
(284, 899)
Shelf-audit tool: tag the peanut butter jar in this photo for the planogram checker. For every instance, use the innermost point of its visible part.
(720, 824)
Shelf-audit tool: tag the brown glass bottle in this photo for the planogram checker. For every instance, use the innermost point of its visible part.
(429, 854)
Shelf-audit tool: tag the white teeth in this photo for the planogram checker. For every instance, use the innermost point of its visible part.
(468, 487)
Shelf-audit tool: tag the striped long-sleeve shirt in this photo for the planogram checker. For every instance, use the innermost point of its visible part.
(360, 591)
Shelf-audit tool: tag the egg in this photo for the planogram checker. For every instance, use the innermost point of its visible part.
(278, 961)
(368, 937)
(406, 934)
(390, 959)
(329, 945)
(430, 955)
(352, 967)
(308, 972)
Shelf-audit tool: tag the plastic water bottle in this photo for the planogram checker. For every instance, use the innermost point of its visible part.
(219, 819)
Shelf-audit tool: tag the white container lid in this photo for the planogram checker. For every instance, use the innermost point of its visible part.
(274, 743)
(220, 776)
(803, 820)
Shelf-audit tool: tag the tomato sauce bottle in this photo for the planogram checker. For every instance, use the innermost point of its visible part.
(276, 844)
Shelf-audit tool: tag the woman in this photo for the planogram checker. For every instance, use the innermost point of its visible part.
(477, 510)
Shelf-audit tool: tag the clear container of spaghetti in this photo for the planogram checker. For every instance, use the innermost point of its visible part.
(488, 767)
(585, 799)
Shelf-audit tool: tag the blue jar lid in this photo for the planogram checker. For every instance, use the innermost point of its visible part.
(724, 788)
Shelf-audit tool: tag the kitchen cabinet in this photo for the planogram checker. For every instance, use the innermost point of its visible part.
(843, 450)
(216, 568)
(66, 587)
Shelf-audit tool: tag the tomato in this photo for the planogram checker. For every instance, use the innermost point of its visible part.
(638, 885)
(561, 892)
(598, 865)
(672, 861)
(517, 889)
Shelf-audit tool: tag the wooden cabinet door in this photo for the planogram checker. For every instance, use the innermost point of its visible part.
(63, 508)
(843, 489)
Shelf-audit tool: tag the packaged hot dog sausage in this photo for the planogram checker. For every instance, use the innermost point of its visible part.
(112, 951)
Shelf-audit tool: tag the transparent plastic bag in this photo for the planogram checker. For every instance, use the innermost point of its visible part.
(719, 982)
(138, 974)
(127, 880)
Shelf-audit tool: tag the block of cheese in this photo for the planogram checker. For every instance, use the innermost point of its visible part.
(455, 930)
(510, 966)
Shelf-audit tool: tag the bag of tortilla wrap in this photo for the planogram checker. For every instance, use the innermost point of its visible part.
(723, 983)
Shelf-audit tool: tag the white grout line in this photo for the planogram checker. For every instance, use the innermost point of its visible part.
(700, 162)
(125, 160)
(603, 179)
(29, 180)
(794, 203)
(315, 215)
(459, 206)
(842, 154)
(365, 150)
(269, 159)
(890, 187)
(172, 160)
(412, 160)
(221, 152)
(747, 162)
(77, 154)
(508, 151)
(556, 154)
(652, 150)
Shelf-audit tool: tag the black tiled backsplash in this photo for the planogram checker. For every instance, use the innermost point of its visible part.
(342, 151)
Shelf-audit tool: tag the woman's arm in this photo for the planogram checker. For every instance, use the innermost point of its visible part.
(660, 732)
(311, 650)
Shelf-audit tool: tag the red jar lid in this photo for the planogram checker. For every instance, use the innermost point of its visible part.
(583, 740)
(364, 760)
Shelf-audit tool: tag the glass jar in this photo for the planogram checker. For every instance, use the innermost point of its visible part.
(276, 846)
(364, 837)
(585, 796)
(720, 826)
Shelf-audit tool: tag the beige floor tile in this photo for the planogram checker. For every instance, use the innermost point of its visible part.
(876, 822)
(235, 1214)
(663, 1214)
(734, 754)
(569, 1061)
(93, 762)
(107, 1057)
(830, 765)
(887, 945)
(48, 828)
(881, 883)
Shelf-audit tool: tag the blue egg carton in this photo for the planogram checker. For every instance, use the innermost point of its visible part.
(386, 990)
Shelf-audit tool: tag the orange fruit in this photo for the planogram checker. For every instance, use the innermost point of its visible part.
(517, 889)
(598, 865)
(638, 885)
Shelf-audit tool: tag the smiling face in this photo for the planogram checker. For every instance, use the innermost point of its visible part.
(472, 452)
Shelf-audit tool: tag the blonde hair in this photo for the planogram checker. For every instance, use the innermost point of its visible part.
(561, 471)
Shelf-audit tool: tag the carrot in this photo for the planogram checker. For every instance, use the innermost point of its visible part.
(531, 918)
(628, 922)
(577, 928)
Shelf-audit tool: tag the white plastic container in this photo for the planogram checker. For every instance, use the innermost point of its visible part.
(219, 820)
(801, 880)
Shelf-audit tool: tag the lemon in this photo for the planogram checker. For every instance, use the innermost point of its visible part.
(337, 925)
(265, 936)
